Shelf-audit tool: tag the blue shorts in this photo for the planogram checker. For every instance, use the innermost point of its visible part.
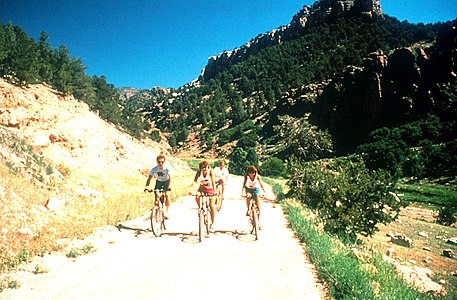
(255, 191)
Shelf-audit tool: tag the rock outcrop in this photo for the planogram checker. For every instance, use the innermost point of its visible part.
(388, 90)
(321, 11)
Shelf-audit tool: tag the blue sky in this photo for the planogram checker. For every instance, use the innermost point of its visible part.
(146, 43)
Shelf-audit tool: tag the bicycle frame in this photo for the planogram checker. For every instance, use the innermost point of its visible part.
(254, 214)
(204, 215)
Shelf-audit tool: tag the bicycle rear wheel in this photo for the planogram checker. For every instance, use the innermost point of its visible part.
(219, 202)
(157, 221)
(254, 221)
(208, 219)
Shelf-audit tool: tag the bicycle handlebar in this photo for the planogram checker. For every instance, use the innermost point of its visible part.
(203, 194)
(151, 190)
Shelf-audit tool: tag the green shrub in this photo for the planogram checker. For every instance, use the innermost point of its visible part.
(388, 154)
(350, 198)
(273, 167)
(241, 158)
(448, 214)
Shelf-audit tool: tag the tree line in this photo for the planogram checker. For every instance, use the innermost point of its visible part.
(24, 61)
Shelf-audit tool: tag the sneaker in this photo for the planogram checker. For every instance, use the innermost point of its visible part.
(166, 216)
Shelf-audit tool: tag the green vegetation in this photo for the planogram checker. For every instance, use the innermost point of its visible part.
(24, 61)
(254, 89)
(350, 199)
(347, 276)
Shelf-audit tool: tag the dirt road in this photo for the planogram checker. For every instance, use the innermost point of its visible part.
(229, 264)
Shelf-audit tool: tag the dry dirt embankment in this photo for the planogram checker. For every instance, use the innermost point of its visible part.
(229, 264)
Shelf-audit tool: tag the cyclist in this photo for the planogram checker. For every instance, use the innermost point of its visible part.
(251, 186)
(162, 172)
(204, 180)
(221, 174)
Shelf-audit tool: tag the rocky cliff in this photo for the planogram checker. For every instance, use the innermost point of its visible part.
(390, 89)
(309, 16)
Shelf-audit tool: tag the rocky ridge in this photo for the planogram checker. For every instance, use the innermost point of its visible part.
(321, 11)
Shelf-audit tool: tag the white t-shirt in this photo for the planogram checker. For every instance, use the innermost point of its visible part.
(252, 184)
(162, 174)
(205, 180)
(221, 174)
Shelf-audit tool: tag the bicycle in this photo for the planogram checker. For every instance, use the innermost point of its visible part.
(254, 214)
(204, 214)
(219, 195)
(157, 213)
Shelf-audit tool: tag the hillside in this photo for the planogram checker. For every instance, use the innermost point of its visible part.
(336, 65)
(61, 166)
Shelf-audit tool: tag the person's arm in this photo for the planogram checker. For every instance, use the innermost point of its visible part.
(243, 188)
(260, 182)
(169, 181)
(193, 186)
(148, 181)
(213, 180)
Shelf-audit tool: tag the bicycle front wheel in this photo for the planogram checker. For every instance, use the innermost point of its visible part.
(255, 222)
(201, 224)
(207, 219)
(156, 221)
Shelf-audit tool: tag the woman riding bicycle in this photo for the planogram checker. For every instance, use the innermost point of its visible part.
(251, 187)
(205, 183)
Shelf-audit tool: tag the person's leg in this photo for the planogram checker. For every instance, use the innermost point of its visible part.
(257, 201)
(167, 202)
(248, 199)
(212, 205)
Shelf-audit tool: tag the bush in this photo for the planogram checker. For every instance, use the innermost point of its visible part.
(447, 215)
(350, 198)
(385, 154)
(273, 167)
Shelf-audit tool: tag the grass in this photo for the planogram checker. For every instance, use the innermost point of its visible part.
(346, 276)
(119, 198)
(369, 276)
(427, 194)
(193, 162)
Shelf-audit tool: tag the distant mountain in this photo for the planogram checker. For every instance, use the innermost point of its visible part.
(341, 65)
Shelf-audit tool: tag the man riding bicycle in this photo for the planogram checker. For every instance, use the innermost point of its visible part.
(221, 174)
(162, 172)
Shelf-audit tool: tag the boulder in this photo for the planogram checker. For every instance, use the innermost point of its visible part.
(449, 253)
(401, 240)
